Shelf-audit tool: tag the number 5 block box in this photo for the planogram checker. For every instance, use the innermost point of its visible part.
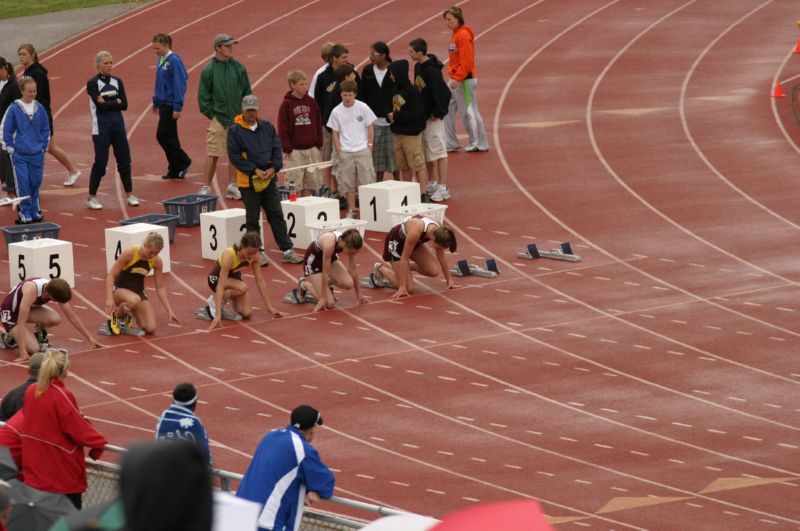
(45, 258)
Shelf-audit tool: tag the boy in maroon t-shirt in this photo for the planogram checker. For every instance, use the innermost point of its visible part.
(300, 131)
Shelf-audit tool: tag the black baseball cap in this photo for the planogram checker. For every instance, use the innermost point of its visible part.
(305, 417)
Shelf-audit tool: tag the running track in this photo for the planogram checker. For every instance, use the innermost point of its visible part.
(650, 385)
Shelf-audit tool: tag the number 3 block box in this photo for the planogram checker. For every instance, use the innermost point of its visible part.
(120, 238)
(298, 214)
(376, 198)
(45, 258)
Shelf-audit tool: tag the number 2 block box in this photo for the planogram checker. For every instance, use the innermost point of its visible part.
(376, 198)
(120, 238)
(45, 258)
(298, 214)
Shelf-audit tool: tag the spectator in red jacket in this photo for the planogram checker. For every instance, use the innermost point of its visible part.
(55, 433)
(300, 131)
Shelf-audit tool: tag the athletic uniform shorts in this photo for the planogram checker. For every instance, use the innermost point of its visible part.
(312, 261)
(213, 279)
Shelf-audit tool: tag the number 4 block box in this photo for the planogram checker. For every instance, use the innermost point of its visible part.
(44, 257)
(120, 238)
(376, 198)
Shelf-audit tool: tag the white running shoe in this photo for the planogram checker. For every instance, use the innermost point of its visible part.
(72, 178)
(432, 187)
(205, 190)
(133, 200)
(441, 194)
(233, 192)
(94, 204)
(212, 305)
(262, 259)
(377, 276)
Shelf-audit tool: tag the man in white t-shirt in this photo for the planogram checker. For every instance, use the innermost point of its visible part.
(352, 135)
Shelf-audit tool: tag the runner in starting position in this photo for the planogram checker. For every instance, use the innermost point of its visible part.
(323, 268)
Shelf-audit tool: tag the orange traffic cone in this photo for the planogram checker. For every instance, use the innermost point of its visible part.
(797, 47)
(778, 92)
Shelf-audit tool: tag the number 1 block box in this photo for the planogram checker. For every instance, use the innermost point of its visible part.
(298, 214)
(120, 238)
(375, 199)
(45, 258)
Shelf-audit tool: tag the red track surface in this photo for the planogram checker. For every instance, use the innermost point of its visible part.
(652, 385)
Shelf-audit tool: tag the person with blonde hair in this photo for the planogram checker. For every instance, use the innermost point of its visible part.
(125, 294)
(55, 433)
(25, 303)
(107, 100)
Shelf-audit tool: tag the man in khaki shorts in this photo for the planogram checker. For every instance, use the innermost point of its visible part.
(223, 84)
(300, 130)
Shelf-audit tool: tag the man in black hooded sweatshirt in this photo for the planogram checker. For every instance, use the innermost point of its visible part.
(407, 121)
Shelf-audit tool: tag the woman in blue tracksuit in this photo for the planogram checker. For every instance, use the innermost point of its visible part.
(26, 134)
(107, 100)
(168, 99)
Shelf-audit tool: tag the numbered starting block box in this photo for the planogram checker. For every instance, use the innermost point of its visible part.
(377, 198)
(562, 252)
(429, 210)
(318, 227)
(43, 257)
(298, 214)
(120, 238)
(221, 229)
(464, 269)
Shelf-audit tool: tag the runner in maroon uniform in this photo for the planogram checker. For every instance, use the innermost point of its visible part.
(405, 252)
(322, 267)
(26, 304)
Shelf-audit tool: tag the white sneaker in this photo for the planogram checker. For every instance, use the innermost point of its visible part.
(441, 194)
(72, 178)
(133, 200)
(212, 305)
(262, 259)
(351, 215)
(233, 192)
(205, 190)
(432, 187)
(377, 276)
(94, 204)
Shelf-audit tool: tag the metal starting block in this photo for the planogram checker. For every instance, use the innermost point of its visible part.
(367, 282)
(293, 297)
(464, 269)
(128, 331)
(563, 252)
(203, 313)
(13, 200)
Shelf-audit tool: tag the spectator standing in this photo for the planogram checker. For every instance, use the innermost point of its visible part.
(223, 84)
(14, 399)
(325, 54)
(107, 100)
(286, 472)
(26, 134)
(408, 122)
(464, 84)
(9, 91)
(376, 91)
(179, 422)
(255, 151)
(325, 83)
(55, 433)
(352, 135)
(168, 98)
(300, 130)
(29, 60)
(11, 438)
(435, 100)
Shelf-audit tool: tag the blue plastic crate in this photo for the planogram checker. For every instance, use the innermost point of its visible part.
(189, 207)
(33, 231)
(167, 220)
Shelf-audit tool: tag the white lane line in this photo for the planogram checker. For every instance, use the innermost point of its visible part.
(605, 446)
(365, 476)
(107, 383)
(414, 372)
(496, 425)
(720, 432)
(604, 340)
(645, 417)
(713, 468)
(340, 393)
(446, 378)
(371, 399)
(642, 347)
(515, 467)
(139, 389)
(548, 474)
(218, 369)
(681, 424)
(309, 386)
(751, 438)
(435, 491)
(478, 459)
(229, 336)
(479, 384)
(399, 484)
(677, 461)
(409, 445)
(467, 498)
(583, 482)
(636, 452)
(568, 439)
(444, 452)
(608, 410)
(467, 419)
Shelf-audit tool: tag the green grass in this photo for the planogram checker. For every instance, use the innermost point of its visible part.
(24, 8)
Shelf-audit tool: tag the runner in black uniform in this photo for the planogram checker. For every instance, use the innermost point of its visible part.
(322, 267)
(225, 280)
(125, 286)
(405, 252)
(26, 304)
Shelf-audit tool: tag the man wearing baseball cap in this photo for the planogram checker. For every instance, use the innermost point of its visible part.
(223, 84)
(180, 423)
(286, 472)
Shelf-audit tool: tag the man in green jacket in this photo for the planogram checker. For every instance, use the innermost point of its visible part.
(223, 84)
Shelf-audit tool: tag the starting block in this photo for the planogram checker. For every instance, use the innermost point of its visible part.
(293, 297)
(464, 269)
(203, 313)
(562, 252)
(367, 282)
(128, 331)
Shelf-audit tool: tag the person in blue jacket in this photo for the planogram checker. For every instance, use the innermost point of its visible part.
(286, 473)
(171, 77)
(180, 423)
(26, 134)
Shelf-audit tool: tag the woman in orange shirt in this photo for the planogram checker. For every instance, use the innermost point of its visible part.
(464, 84)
